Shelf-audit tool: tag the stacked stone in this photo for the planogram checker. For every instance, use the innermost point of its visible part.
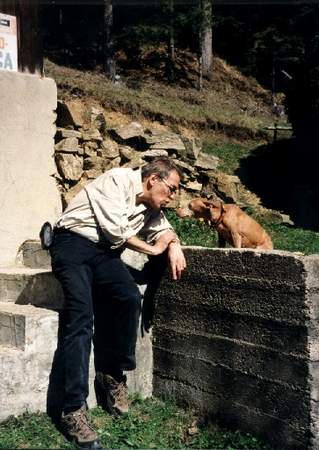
(85, 148)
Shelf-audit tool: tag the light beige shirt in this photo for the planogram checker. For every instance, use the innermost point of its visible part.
(106, 209)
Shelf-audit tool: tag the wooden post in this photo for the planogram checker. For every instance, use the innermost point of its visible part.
(275, 132)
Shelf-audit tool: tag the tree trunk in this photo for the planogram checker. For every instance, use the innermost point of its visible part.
(109, 58)
(171, 53)
(206, 36)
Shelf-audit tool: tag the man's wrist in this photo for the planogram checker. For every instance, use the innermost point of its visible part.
(175, 241)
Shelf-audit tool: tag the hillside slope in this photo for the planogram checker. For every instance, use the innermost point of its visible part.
(229, 106)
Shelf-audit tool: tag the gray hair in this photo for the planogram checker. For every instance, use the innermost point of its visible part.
(161, 166)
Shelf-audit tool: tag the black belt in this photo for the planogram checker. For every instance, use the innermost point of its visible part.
(103, 244)
(60, 230)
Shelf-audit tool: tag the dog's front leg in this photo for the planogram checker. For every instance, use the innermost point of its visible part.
(236, 238)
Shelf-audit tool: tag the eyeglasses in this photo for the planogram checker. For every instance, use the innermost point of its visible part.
(173, 189)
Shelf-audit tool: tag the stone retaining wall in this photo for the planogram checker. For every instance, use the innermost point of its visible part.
(237, 338)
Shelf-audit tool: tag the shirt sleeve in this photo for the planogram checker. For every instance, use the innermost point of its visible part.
(155, 226)
(108, 202)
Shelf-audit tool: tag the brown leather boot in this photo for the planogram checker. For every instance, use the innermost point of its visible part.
(76, 427)
(111, 395)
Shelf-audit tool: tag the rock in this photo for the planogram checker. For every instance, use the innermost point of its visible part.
(126, 152)
(93, 173)
(187, 168)
(115, 162)
(68, 145)
(150, 154)
(110, 148)
(193, 186)
(125, 132)
(286, 220)
(134, 163)
(90, 150)
(273, 216)
(63, 133)
(92, 134)
(30, 254)
(206, 162)
(92, 144)
(71, 113)
(93, 162)
(69, 165)
(98, 120)
(193, 147)
(71, 193)
(160, 140)
(224, 186)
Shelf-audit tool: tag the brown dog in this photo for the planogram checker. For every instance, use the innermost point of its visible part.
(232, 224)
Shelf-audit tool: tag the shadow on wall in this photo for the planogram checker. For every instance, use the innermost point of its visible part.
(284, 175)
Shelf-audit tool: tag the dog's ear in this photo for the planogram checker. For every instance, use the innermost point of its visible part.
(215, 210)
(207, 203)
(215, 204)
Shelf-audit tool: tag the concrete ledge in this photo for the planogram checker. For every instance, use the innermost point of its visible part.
(30, 286)
(24, 370)
(32, 255)
(237, 337)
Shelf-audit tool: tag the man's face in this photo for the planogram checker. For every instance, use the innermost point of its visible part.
(164, 190)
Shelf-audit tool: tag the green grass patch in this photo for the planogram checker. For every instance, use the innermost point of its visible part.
(288, 238)
(31, 431)
(150, 424)
(294, 239)
(192, 231)
(229, 154)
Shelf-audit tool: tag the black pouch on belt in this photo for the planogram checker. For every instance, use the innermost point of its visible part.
(46, 235)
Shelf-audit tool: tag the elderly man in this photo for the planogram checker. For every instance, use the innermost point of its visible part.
(120, 209)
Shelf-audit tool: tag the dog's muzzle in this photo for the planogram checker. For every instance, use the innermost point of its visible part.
(184, 212)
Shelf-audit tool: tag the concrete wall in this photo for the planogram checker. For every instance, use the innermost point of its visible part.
(237, 338)
(28, 192)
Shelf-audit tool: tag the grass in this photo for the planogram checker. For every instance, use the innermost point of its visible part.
(293, 239)
(230, 155)
(150, 424)
(288, 238)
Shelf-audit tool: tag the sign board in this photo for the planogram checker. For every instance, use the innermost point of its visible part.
(8, 43)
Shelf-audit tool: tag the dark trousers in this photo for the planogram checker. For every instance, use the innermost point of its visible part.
(99, 289)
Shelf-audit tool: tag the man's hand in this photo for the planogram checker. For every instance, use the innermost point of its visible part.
(176, 260)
